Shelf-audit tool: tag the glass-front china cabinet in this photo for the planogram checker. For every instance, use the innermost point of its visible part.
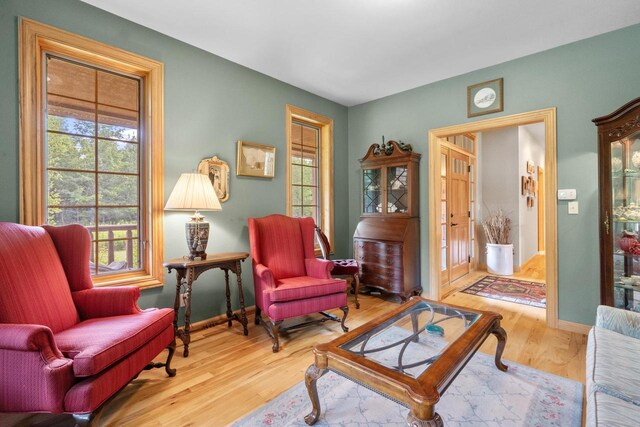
(386, 241)
(619, 179)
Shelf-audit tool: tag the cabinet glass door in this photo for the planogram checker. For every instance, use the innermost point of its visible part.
(625, 193)
(372, 192)
(397, 195)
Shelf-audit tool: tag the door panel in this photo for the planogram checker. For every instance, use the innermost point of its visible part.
(459, 213)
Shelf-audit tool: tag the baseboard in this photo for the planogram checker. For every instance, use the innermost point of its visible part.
(218, 320)
(579, 328)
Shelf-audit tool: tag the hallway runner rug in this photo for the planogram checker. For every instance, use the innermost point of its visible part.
(513, 290)
(481, 395)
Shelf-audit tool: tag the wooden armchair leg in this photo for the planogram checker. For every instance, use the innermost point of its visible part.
(356, 278)
(345, 310)
(167, 367)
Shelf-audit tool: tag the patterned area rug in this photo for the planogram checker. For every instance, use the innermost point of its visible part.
(481, 395)
(514, 290)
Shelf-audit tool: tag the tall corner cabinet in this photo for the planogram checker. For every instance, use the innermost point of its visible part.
(619, 180)
(387, 239)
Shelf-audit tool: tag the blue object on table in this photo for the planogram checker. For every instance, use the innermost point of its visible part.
(435, 329)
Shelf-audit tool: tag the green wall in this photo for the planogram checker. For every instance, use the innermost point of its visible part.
(583, 80)
(210, 103)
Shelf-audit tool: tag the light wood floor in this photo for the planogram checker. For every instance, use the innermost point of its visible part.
(227, 375)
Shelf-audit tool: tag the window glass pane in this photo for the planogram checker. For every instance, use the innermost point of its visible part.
(309, 195)
(117, 123)
(70, 152)
(296, 211)
(296, 195)
(309, 211)
(62, 216)
(296, 174)
(118, 91)
(310, 136)
(117, 156)
(309, 175)
(117, 189)
(70, 116)
(71, 188)
(71, 80)
(118, 216)
(296, 155)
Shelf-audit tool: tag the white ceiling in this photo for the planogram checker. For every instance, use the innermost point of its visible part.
(354, 51)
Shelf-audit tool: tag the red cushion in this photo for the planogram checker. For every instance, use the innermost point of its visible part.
(344, 267)
(33, 285)
(288, 309)
(95, 344)
(87, 395)
(297, 288)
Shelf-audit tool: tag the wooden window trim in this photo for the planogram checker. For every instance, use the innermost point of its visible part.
(34, 40)
(326, 163)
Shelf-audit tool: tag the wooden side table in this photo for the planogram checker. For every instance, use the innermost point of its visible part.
(188, 272)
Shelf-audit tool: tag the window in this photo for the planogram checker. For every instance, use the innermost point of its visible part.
(91, 144)
(310, 167)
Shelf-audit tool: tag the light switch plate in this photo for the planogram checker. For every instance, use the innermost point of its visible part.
(572, 208)
(567, 194)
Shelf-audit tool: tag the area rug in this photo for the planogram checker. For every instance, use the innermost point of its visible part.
(513, 290)
(481, 395)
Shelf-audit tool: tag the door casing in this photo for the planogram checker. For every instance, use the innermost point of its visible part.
(548, 118)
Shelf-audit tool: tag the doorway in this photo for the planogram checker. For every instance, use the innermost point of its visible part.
(547, 197)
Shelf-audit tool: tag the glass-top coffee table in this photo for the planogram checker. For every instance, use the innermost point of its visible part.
(409, 355)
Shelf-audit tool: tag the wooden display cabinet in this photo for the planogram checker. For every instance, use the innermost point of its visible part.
(387, 239)
(619, 179)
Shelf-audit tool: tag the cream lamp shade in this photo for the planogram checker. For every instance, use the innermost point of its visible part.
(194, 192)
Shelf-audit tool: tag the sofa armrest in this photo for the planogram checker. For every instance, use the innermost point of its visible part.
(37, 376)
(104, 302)
(622, 321)
(318, 268)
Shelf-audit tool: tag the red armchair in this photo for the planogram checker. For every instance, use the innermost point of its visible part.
(65, 346)
(288, 279)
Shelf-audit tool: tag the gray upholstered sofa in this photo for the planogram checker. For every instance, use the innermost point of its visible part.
(613, 369)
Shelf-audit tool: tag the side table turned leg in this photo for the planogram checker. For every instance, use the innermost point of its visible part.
(435, 421)
(501, 335)
(312, 375)
(186, 336)
(243, 312)
(226, 283)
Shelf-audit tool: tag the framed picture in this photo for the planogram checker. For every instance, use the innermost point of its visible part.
(531, 168)
(525, 185)
(255, 160)
(529, 201)
(485, 98)
(218, 172)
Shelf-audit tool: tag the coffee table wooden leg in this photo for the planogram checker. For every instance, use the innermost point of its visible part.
(310, 378)
(501, 335)
(434, 421)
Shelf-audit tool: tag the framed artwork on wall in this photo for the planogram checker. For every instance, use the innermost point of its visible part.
(485, 98)
(531, 168)
(218, 172)
(255, 160)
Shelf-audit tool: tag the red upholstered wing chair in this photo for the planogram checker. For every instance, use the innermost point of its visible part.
(289, 280)
(65, 346)
(341, 267)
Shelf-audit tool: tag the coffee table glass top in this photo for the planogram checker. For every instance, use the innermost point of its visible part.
(414, 339)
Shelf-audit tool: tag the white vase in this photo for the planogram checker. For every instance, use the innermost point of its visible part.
(500, 259)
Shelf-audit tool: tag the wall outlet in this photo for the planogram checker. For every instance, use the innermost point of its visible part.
(572, 208)
(183, 299)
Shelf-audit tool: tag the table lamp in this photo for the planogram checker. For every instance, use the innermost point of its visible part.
(194, 192)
